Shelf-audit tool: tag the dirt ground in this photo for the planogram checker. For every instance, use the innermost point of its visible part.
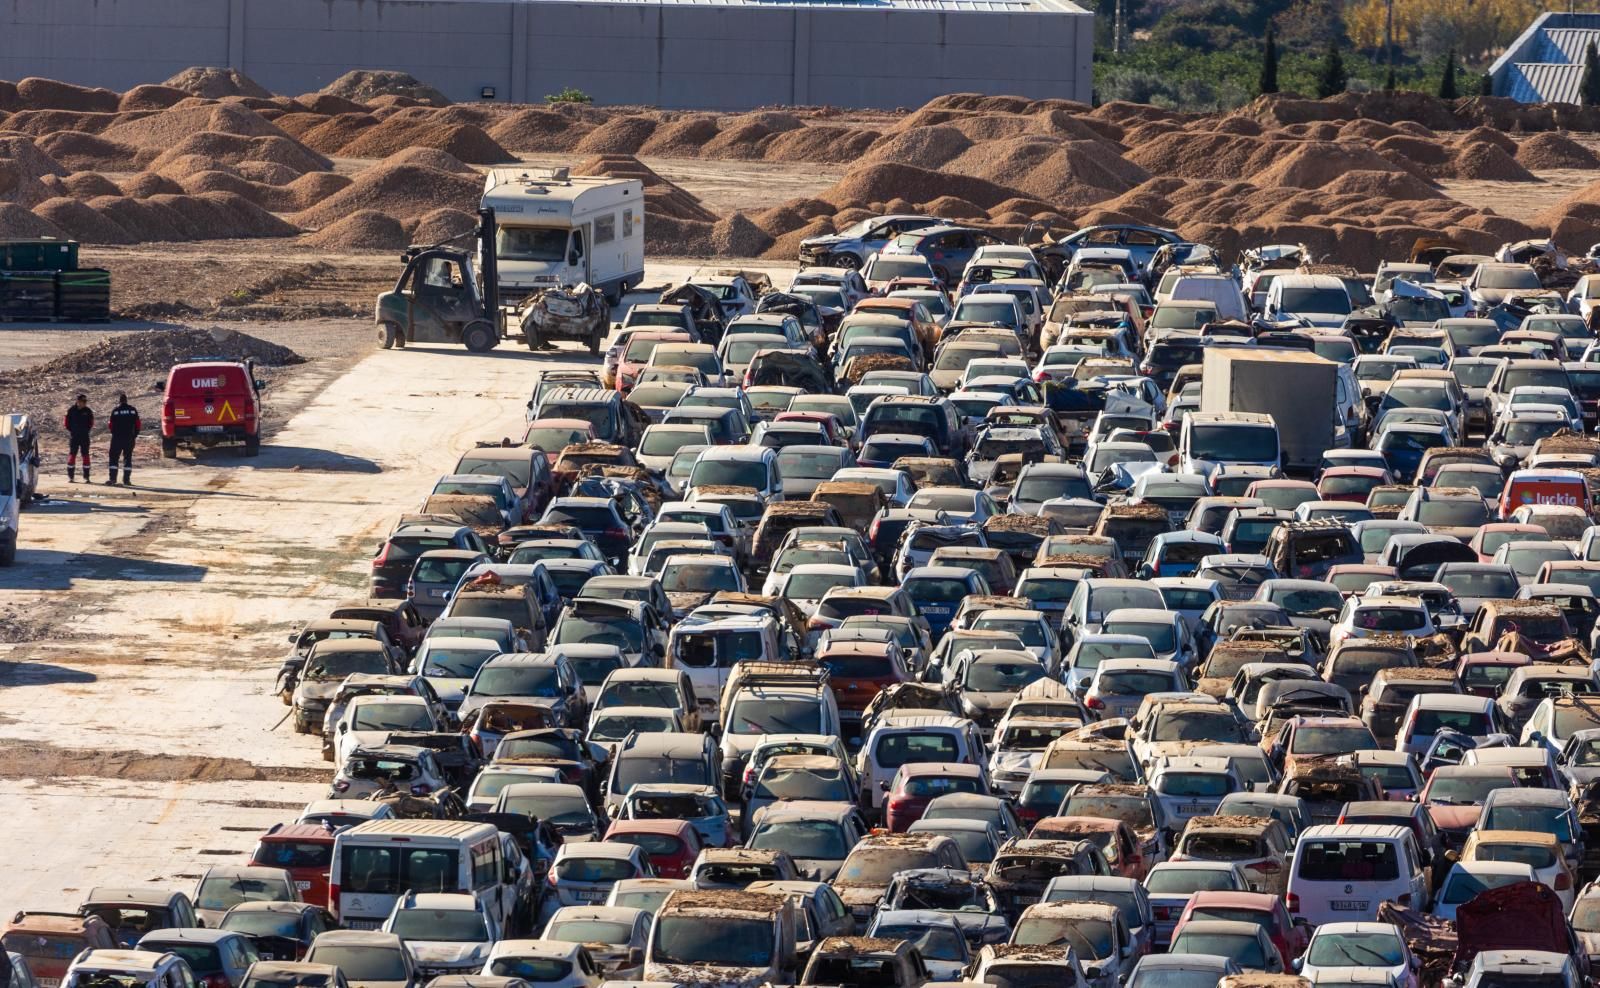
(141, 629)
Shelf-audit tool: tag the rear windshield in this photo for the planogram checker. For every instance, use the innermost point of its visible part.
(1349, 861)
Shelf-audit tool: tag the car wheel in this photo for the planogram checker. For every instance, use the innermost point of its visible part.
(388, 335)
(849, 262)
(169, 449)
(252, 445)
(478, 337)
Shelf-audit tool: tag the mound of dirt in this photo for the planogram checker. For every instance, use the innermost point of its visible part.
(1487, 160)
(538, 129)
(87, 185)
(303, 193)
(365, 229)
(333, 133)
(441, 226)
(1074, 173)
(921, 147)
(619, 135)
(48, 94)
(1312, 165)
(18, 222)
(88, 152)
(830, 145)
(362, 85)
(1488, 135)
(684, 137)
(151, 98)
(1382, 185)
(1555, 150)
(22, 166)
(147, 184)
(155, 351)
(737, 236)
(431, 158)
(82, 222)
(1406, 149)
(662, 198)
(161, 131)
(232, 149)
(269, 172)
(211, 82)
(882, 181)
(464, 142)
(402, 191)
(330, 105)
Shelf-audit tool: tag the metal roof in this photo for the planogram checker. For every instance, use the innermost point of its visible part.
(1545, 64)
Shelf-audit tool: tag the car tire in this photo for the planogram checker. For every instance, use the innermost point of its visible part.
(252, 445)
(8, 553)
(940, 272)
(388, 335)
(849, 262)
(479, 337)
(169, 449)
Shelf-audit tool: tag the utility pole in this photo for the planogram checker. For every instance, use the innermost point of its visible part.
(1116, 30)
(1388, 33)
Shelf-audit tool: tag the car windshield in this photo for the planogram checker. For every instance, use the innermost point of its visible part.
(452, 925)
(1234, 443)
(823, 783)
(1466, 790)
(1002, 675)
(1463, 885)
(623, 632)
(589, 931)
(757, 715)
(1089, 938)
(263, 924)
(227, 892)
(803, 838)
(359, 964)
(714, 941)
(699, 578)
(1221, 727)
(1356, 950)
(391, 717)
(1538, 819)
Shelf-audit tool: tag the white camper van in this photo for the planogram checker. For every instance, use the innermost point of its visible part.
(554, 230)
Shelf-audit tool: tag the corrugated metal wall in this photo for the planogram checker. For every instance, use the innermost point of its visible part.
(671, 54)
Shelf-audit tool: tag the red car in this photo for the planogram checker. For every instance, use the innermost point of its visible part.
(1492, 536)
(1263, 909)
(1351, 484)
(919, 783)
(636, 355)
(671, 845)
(305, 851)
(828, 421)
(1283, 494)
(859, 671)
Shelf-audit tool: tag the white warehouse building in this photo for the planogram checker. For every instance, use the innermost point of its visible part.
(711, 54)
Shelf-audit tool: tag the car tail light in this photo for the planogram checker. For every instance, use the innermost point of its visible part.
(333, 900)
(615, 533)
(382, 557)
(1268, 867)
(1155, 570)
(1293, 902)
(551, 878)
(1041, 375)
(411, 589)
(1563, 882)
(817, 624)
(1094, 703)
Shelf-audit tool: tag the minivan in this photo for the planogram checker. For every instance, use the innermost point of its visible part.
(1343, 872)
(899, 738)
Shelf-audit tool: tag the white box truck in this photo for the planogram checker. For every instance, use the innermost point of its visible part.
(1296, 388)
(558, 231)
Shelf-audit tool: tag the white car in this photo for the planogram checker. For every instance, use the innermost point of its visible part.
(444, 932)
(1336, 948)
(368, 720)
(541, 961)
(615, 936)
(1363, 617)
(1467, 878)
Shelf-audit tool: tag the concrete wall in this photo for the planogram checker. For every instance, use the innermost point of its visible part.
(662, 54)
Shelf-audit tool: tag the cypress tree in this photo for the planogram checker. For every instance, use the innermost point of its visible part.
(1447, 82)
(1332, 78)
(1268, 82)
(1589, 89)
(1389, 82)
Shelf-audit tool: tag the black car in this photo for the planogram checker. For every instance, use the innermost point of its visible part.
(599, 521)
(282, 931)
(396, 555)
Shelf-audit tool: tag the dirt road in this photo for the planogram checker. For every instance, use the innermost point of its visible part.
(145, 626)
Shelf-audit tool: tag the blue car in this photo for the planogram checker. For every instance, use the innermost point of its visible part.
(1178, 553)
(938, 591)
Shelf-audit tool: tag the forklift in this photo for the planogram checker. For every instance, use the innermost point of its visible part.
(440, 299)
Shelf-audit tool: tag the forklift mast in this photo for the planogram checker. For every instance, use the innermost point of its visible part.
(489, 264)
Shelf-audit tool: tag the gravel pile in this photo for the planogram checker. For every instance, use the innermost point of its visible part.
(362, 85)
(210, 82)
(155, 351)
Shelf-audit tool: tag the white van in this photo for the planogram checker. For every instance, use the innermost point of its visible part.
(11, 491)
(555, 230)
(898, 738)
(708, 650)
(1218, 289)
(1342, 873)
(375, 863)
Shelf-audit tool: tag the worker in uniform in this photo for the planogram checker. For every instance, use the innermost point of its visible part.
(124, 425)
(79, 424)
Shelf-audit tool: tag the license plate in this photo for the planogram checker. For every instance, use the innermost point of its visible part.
(208, 428)
(362, 924)
(1349, 905)
(302, 886)
(438, 593)
(1193, 808)
(47, 982)
(591, 896)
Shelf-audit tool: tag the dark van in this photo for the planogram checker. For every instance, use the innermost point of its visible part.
(918, 415)
(211, 403)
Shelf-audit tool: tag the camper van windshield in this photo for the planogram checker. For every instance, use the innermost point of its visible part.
(530, 243)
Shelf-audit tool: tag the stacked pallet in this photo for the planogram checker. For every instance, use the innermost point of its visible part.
(40, 281)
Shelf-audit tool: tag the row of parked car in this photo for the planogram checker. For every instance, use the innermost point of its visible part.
(888, 629)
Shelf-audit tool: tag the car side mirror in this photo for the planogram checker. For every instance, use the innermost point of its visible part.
(883, 787)
(343, 727)
(1297, 964)
(159, 386)
(572, 259)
